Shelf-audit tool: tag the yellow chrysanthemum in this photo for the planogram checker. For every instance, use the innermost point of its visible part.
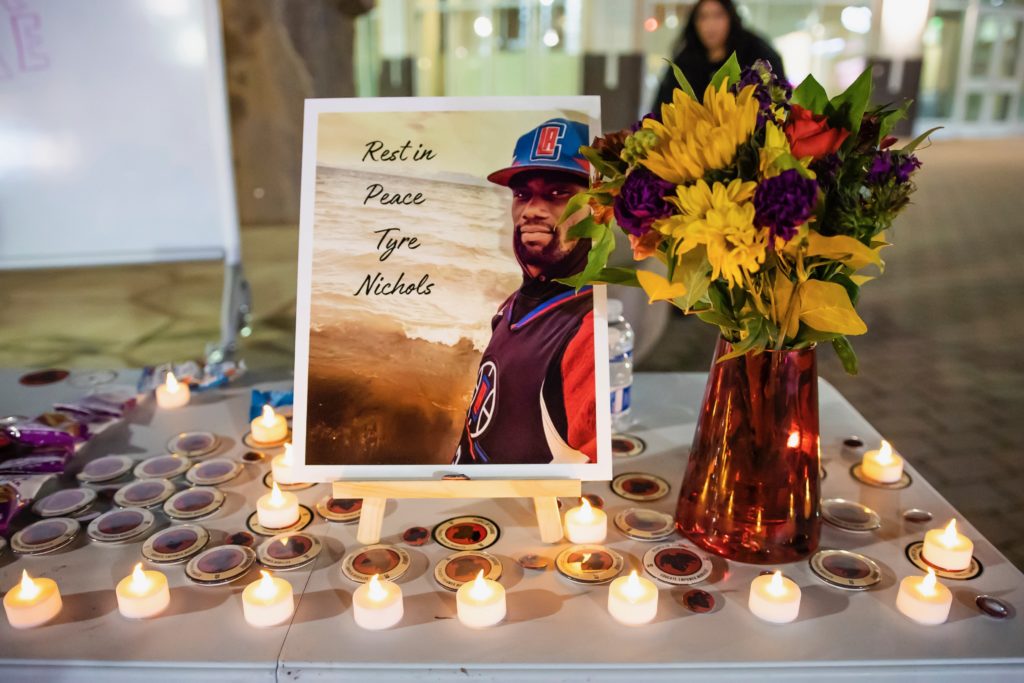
(722, 219)
(694, 138)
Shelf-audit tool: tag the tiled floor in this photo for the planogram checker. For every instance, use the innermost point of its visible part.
(941, 373)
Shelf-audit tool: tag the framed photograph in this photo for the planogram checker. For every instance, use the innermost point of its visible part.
(433, 335)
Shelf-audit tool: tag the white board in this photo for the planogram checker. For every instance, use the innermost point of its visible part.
(114, 143)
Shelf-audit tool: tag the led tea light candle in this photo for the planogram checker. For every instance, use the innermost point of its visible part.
(172, 393)
(633, 600)
(377, 604)
(277, 510)
(948, 548)
(33, 602)
(481, 602)
(586, 524)
(924, 599)
(281, 466)
(267, 602)
(269, 427)
(774, 598)
(142, 594)
(882, 465)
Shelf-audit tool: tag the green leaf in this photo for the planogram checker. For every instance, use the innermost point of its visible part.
(889, 120)
(694, 271)
(846, 354)
(717, 295)
(601, 247)
(603, 166)
(618, 276)
(586, 228)
(849, 106)
(756, 339)
(716, 318)
(851, 287)
(684, 84)
(808, 335)
(786, 161)
(729, 72)
(576, 202)
(811, 95)
(913, 144)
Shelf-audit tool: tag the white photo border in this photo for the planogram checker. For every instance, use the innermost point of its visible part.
(598, 471)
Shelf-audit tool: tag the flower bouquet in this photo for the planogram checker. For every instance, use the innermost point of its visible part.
(765, 206)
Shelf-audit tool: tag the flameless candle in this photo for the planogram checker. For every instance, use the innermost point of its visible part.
(480, 602)
(633, 600)
(586, 524)
(882, 465)
(33, 602)
(269, 427)
(774, 598)
(172, 394)
(277, 510)
(377, 604)
(924, 599)
(948, 548)
(281, 466)
(267, 602)
(142, 594)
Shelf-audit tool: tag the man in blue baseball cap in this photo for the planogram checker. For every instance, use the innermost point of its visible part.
(534, 400)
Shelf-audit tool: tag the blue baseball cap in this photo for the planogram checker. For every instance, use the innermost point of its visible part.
(552, 146)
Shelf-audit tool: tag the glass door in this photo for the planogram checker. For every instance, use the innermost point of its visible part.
(989, 93)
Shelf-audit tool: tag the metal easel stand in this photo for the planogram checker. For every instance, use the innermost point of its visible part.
(235, 314)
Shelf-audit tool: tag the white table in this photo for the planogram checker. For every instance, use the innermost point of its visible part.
(555, 629)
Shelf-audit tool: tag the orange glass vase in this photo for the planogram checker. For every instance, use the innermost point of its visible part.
(751, 490)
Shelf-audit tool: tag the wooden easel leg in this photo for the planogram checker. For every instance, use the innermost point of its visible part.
(371, 520)
(548, 519)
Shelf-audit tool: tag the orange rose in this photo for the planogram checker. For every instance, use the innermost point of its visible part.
(810, 135)
(646, 246)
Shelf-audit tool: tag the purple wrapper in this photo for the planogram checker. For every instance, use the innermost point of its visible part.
(17, 493)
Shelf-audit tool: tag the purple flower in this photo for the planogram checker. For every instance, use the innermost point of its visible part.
(769, 88)
(785, 202)
(886, 165)
(827, 168)
(656, 115)
(640, 201)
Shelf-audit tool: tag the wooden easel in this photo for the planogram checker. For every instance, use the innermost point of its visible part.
(375, 494)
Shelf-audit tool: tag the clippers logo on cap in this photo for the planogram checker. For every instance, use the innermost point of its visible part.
(546, 144)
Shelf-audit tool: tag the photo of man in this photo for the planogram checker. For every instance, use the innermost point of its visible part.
(534, 400)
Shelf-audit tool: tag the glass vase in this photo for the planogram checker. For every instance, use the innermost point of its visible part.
(751, 490)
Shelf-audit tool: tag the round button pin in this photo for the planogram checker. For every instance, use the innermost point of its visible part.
(45, 536)
(220, 565)
(464, 566)
(64, 502)
(388, 561)
(193, 444)
(213, 472)
(845, 569)
(175, 544)
(645, 525)
(467, 533)
(416, 535)
(589, 564)
(848, 515)
(639, 486)
(194, 503)
(107, 468)
(144, 493)
(343, 510)
(676, 564)
(627, 445)
(162, 467)
(288, 551)
(121, 526)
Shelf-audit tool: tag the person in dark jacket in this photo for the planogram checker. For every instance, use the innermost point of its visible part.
(713, 32)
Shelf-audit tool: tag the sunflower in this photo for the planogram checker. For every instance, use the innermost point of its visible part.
(694, 138)
(720, 217)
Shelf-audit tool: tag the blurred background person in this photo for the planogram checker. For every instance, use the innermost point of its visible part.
(714, 31)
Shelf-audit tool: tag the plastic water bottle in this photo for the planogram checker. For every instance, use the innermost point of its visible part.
(620, 356)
